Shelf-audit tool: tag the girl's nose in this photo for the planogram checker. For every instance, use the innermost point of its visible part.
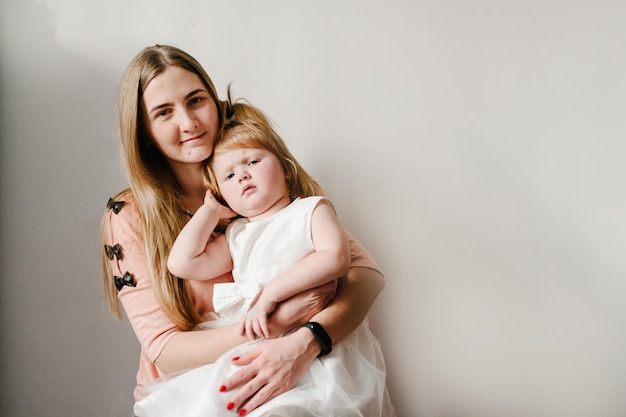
(244, 175)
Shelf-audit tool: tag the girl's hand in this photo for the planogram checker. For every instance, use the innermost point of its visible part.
(211, 202)
(297, 310)
(254, 323)
(269, 369)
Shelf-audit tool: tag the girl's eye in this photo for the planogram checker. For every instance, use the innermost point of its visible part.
(230, 176)
(253, 161)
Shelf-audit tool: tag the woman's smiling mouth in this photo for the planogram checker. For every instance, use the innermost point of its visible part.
(200, 136)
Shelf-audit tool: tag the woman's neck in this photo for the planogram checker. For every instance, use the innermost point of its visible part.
(191, 180)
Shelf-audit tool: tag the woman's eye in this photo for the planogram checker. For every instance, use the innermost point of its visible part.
(196, 100)
(163, 113)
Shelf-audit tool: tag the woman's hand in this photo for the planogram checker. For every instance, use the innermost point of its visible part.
(297, 310)
(269, 369)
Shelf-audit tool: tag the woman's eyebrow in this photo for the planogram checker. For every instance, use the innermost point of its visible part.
(188, 96)
(194, 92)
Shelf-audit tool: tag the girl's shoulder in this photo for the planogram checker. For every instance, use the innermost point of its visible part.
(311, 201)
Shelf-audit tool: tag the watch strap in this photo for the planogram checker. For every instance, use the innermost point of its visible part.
(321, 336)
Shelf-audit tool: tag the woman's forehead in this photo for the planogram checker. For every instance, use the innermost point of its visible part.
(174, 83)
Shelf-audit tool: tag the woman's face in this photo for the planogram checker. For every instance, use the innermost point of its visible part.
(180, 116)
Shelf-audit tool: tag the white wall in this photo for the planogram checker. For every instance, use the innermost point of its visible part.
(475, 147)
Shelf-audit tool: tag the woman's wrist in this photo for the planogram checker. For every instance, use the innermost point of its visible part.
(323, 339)
(310, 346)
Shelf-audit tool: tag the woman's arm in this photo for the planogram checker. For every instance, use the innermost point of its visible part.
(187, 350)
(153, 328)
(276, 365)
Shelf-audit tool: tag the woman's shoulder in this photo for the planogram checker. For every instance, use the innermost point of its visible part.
(122, 213)
(124, 196)
(123, 202)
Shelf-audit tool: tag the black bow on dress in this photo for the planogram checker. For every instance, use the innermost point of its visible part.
(115, 205)
(127, 279)
(115, 250)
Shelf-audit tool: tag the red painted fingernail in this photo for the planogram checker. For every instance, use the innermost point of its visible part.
(242, 412)
(230, 405)
(236, 358)
(223, 388)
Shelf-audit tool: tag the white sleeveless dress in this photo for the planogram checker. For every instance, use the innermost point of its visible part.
(349, 382)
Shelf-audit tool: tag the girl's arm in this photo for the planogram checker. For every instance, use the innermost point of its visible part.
(195, 255)
(329, 261)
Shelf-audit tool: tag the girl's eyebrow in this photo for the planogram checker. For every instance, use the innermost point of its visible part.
(223, 170)
(188, 96)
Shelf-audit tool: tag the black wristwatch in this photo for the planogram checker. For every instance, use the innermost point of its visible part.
(321, 336)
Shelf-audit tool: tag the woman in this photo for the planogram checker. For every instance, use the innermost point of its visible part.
(169, 116)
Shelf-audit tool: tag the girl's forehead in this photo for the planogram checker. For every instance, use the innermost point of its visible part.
(237, 155)
(234, 152)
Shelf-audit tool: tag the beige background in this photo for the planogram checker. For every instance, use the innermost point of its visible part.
(476, 148)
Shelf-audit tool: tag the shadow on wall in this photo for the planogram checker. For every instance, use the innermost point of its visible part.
(58, 167)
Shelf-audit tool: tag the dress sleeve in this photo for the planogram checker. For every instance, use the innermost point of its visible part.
(360, 257)
(130, 268)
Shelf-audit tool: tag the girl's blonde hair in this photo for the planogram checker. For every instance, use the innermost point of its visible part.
(153, 182)
(248, 127)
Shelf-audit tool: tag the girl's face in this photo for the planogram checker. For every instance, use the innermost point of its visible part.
(252, 181)
(181, 117)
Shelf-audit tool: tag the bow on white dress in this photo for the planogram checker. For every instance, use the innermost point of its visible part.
(232, 300)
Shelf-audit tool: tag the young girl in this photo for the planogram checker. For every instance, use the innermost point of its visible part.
(288, 239)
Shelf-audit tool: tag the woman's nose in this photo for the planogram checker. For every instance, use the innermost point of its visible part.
(188, 120)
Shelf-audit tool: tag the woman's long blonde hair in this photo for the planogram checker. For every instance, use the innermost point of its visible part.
(153, 182)
(248, 127)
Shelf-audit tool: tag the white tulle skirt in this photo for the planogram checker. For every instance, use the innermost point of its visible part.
(349, 382)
